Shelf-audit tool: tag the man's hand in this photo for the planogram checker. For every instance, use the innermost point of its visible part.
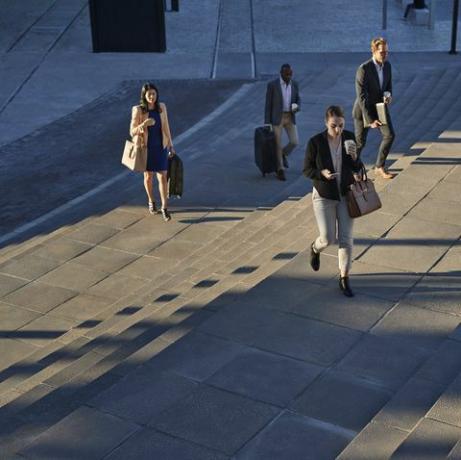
(376, 124)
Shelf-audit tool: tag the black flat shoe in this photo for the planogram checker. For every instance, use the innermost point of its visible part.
(281, 175)
(315, 259)
(345, 287)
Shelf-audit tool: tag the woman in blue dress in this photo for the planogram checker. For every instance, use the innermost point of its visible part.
(149, 119)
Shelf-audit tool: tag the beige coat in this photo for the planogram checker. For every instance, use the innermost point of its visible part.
(137, 118)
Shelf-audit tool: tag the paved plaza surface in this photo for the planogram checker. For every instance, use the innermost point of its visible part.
(210, 337)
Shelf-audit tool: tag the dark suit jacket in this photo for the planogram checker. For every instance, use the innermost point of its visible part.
(368, 90)
(274, 101)
(318, 157)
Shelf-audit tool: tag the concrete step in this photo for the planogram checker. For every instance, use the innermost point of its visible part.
(181, 280)
(92, 361)
(162, 292)
(400, 427)
(121, 345)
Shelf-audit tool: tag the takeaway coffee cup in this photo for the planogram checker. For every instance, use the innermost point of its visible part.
(351, 148)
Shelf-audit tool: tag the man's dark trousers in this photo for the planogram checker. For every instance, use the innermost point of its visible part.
(388, 135)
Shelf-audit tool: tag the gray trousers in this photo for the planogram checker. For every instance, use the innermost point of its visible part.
(334, 224)
(292, 132)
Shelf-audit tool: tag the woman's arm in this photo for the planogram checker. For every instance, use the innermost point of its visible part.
(310, 165)
(136, 127)
(167, 126)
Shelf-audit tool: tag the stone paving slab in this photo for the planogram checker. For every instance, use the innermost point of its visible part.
(43, 330)
(335, 308)
(410, 404)
(12, 317)
(12, 350)
(82, 307)
(283, 334)
(196, 356)
(386, 361)
(28, 267)
(413, 255)
(448, 407)
(147, 444)
(293, 436)
(116, 286)
(437, 292)
(216, 419)
(436, 210)
(444, 364)
(378, 438)
(73, 276)
(61, 249)
(39, 297)
(430, 439)
(265, 377)
(143, 395)
(105, 260)
(9, 284)
(342, 400)
(417, 326)
(86, 432)
(375, 280)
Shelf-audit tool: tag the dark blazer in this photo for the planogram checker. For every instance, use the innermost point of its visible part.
(318, 157)
(274, 101)
(368, 91)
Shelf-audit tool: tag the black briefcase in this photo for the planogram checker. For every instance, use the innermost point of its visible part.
(265, 150)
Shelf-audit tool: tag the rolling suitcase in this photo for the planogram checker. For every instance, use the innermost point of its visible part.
(265, 150)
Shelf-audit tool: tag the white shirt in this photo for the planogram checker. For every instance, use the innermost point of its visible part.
(337, 159)
(286, 94)
(379, 69)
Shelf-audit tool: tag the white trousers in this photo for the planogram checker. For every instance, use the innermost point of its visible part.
(334, 224)
(292, 133)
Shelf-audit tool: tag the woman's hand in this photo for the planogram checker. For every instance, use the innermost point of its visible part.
(357, 177)
(172, 151)
(148, 122)
(327, 174)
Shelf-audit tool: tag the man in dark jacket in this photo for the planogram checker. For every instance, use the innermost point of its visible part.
(282, 103)
(373, 84)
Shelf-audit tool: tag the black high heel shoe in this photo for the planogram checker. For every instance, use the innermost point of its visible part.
(166, 215)
(345, 287)
(152, 207)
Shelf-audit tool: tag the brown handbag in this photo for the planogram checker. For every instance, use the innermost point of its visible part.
(362, 197)
(135, 154)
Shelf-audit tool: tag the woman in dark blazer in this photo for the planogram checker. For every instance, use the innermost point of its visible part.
(332, 169)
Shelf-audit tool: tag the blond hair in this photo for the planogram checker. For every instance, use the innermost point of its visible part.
(377, 42)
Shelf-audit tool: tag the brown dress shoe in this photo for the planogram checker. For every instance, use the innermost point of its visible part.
(281, 175)
(383, 173)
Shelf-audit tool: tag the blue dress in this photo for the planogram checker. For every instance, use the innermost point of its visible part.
(157, 156)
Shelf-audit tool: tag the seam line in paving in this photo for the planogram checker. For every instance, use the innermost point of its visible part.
(214, 63)
(34, 70)
(26, 31)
